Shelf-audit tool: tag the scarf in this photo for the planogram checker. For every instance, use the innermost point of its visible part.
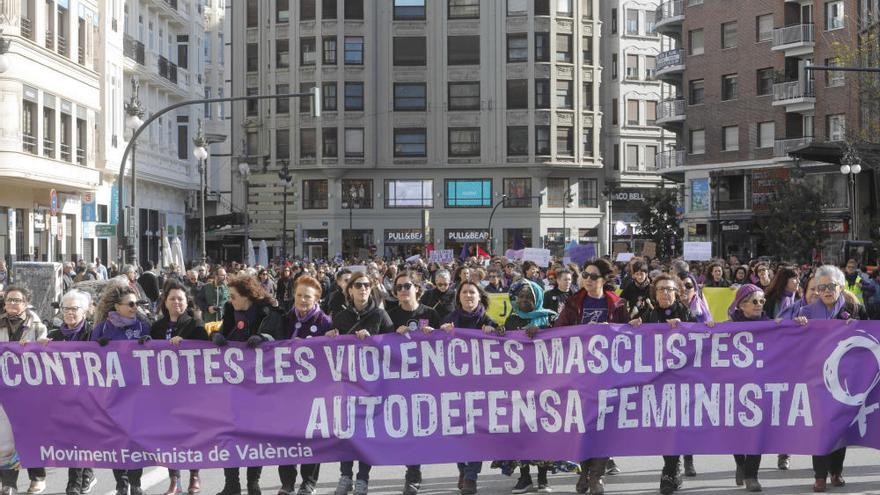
(69, 333)
(539, 316)
(119, 321)
(698, 306)
(308, 316)
(785, 306)
(818, 311)
(465, 319)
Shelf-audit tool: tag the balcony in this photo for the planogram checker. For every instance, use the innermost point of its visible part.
(670, 15)
(735, 204)
(671, 111)
(668, 160)
(62, 45)
(50, 40)
(81, 156)
(133, 49)
(670, 64)
(49, 148)
(29, 143)
(796, 96)
(795, 40)
(65, 152)
(27, 28)
(782, 147)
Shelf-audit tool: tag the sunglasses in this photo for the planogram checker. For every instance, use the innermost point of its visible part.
(667, 289)
(592, 276)
(758, 302)
(824, 287)
(361, 285)
(403, 286)
(130, 304)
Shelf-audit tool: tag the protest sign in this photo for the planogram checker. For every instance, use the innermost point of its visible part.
(649, 249)
(570, 393)
(624, 257)
(540, 257)
(441, 256)
(499, 307)
(697, 251)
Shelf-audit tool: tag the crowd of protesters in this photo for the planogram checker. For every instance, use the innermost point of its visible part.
(363, 298)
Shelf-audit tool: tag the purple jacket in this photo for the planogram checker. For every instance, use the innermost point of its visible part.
(132, 332)
(314, 324)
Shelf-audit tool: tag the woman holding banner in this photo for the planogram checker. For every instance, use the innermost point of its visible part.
(471, 302)
(693, 297)
(593, 304)
(831, 305)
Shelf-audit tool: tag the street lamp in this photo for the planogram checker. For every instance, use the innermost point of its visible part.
(4, 49)
(286, 181)
(851, 165)
(133, 111)
(200, 152)
(608, 191)
(353, 194)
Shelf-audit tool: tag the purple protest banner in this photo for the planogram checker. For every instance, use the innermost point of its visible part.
(570, 394)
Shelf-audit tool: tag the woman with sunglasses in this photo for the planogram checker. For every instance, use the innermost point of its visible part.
(593, 304)
(665, 306)
(832, 304)
(411, 316)
(361, 317)
(442, 297)
(692, 296)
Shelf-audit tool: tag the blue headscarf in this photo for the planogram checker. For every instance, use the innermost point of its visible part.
(538, 317)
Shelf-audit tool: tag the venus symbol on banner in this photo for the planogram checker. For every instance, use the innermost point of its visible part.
(839, 391)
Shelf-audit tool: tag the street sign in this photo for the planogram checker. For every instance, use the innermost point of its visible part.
(105, 230)
(53, 202)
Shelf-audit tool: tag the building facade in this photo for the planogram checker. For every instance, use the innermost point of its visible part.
(432, 114)
(747, 113)
(631, 96)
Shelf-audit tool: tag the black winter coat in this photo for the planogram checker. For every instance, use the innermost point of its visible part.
(372, 319)
(84, 335)
(187, 328)
(269, 322)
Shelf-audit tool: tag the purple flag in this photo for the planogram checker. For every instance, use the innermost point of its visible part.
(571, 393)
(464, 252)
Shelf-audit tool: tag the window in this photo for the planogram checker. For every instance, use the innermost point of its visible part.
(728, 35)
(354, 96)
(517, 47)
(354, 50)
(517, 93)
(542, 47)
(282, 144)
(632, 112)
(354, 142)
(695, 42)
(360, 191)
(328, 9)
(542, 140)
(307, 55)
(834, 17)
(542, 93)
(329, 53)
(835, 127)
(696, 94)
(565, 140)
(557, 192)
(766, 134)
(632, 21)
(410, 142)
(282, 54)
(314, 194)
(306, 10)
(464, 9)
(542, 7)
(764, 83)
(650, 68)
(651, 22)
(464, 96)
(463, 50)
(730, 138)
(764, 27)
(587, 43)
(698, 141)
(282, 105)
(563, 8)
(409, 193)
(517, 140)
(252, 106)
(517, 8)
(614, 110)
(729, 87)
(29, 124)
(305, 103)
(588, 96)
(253, 57)
(632, 66)
(613, 21)
(564, 94)
(329, 142)
(563, 48)
(308, 143)
(282, 11)
(410, 96)
(588, 193)
(632, 157)
(468, 193)
(464, 141)
(833, 77)
(354, 9)
(614, 66)
(409, 51)
(650, 157)
(328, 95)
(588, 141)
(409, 10)
(253, 19)
(518, 192)
(650, 112)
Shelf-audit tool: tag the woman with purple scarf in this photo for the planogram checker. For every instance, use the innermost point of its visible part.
(832, 305)
(783, 295)
(693, 298)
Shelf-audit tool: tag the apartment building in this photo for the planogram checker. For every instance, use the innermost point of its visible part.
(432, 114)
(631, 96)
(745, 112)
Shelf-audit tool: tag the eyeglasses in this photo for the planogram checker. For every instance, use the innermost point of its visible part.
(824, 287)
(130, 304)
(361, 285)
(14, 300)
(69, 309)
(758, 302)
(592, 276)
(441, 285)
(667, 290)
(682, 274)
(403, 286)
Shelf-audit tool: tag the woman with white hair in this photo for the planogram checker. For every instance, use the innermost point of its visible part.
(831, 305)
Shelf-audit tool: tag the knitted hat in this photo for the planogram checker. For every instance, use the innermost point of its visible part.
(741, 294)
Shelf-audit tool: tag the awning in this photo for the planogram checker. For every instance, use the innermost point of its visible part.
(833, 153)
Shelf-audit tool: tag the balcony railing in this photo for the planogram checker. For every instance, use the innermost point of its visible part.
(669, 58)
(731, 204)
(669, 10)
(62, 45)
(49, 148)
(670, 109)
(65, 152)
(789, 35)
(669, 159)
(27, 28)
(783, 146)
(172, 72)
(81, 156)
(81, 55)
(29, 143)
(50, 40)
(793, 90)
(172, 3)
(133, 49)
(163, 66)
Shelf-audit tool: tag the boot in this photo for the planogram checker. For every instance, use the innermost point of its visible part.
(837, 480)
(195, 484)
(597, 475)
(820, 485)
(689, 469)
(783, 462)
(230, 489)
(173, 486)
(523, 484)
(667, 485)
(752, 485)
(468, 487)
